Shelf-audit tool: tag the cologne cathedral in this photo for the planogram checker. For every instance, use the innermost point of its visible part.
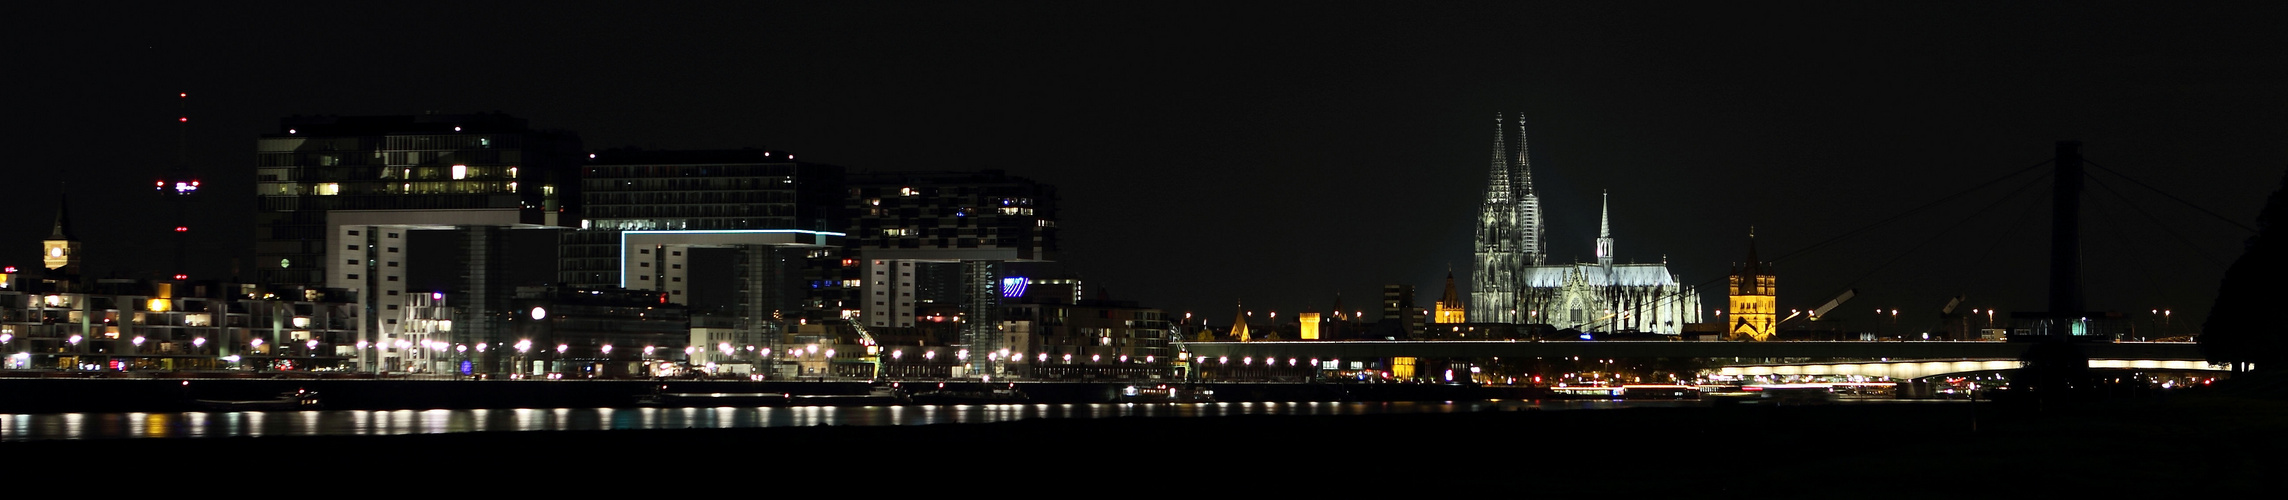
(1514, 283)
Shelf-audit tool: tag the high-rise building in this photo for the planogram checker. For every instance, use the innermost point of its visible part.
(1400, 318)
(338, 197)
(904, 223)
(1754, 298)
(644, 213)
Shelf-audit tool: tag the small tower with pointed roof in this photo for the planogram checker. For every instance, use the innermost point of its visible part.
(60, 252)
(1239, 325)
(1449, 306)
(1605, 234)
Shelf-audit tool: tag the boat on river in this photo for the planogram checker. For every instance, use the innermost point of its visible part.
(880, 395)
(298, 399)
(714, 399)
(1164, 393)
(994, 396)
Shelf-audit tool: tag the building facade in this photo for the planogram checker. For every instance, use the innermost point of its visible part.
(1514, 285)
(1754, 301)
(646, 214)
(338, 198)
(121, 325)
(903, 224)
(1508, 232)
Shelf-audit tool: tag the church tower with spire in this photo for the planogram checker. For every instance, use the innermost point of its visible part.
(1514, 282)
(1605, 234)
(60, 252)
(1239, 326)
(1449, 307)
(1533, 253)
(1499, 248)
(1755, 298)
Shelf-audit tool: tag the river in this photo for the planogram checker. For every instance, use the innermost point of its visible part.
(192, 425)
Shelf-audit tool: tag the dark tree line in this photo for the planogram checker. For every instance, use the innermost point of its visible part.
(2246, 326)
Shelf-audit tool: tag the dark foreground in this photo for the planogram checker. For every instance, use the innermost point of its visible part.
(2186, 445)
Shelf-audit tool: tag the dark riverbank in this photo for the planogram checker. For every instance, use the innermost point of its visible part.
(2119, 449)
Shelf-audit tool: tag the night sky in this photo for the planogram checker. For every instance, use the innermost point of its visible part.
(1276, 153)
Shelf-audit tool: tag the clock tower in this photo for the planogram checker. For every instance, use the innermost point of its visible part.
(60, 252)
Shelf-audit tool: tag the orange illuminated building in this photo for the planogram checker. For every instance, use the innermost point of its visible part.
(1755, 298)
(1449, 307)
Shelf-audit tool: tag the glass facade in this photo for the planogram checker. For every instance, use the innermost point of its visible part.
(423, 162)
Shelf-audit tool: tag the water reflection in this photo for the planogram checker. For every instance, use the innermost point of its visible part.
(67, 426)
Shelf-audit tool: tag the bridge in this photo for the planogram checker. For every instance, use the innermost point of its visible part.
(1371, 349)
(1881, 358)
(1920, 369)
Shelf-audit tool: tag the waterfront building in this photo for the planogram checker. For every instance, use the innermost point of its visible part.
(120, 324)
(339, 196)
(1090, 338)
(1513, 285)
(562, 331)
(1754, 298)
(848, 350)
(645, 215)
(908, 226)
(421, 336)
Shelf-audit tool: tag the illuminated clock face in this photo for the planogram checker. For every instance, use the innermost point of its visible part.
(56, 251)
(539, 313)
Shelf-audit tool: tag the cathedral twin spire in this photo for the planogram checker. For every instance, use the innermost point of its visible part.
(1509, 230)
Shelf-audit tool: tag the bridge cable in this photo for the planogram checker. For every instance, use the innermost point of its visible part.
(1984, 262)
(1894, 218)
(1942, 232)
(2153, 284)
(2133, 180)
(2188, 242)
(1911, 211)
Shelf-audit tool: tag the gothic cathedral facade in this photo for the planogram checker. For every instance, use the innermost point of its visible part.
(1512, 282)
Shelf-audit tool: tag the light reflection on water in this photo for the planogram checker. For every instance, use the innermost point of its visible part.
(69, 426)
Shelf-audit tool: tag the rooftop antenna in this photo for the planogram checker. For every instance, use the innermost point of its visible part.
(179, 183)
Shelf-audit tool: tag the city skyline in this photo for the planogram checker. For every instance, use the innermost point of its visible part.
(1268, 155)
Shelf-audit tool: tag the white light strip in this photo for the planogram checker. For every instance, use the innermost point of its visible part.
(624, 240)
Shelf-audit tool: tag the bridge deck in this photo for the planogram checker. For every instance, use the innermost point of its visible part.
(1672, 349)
